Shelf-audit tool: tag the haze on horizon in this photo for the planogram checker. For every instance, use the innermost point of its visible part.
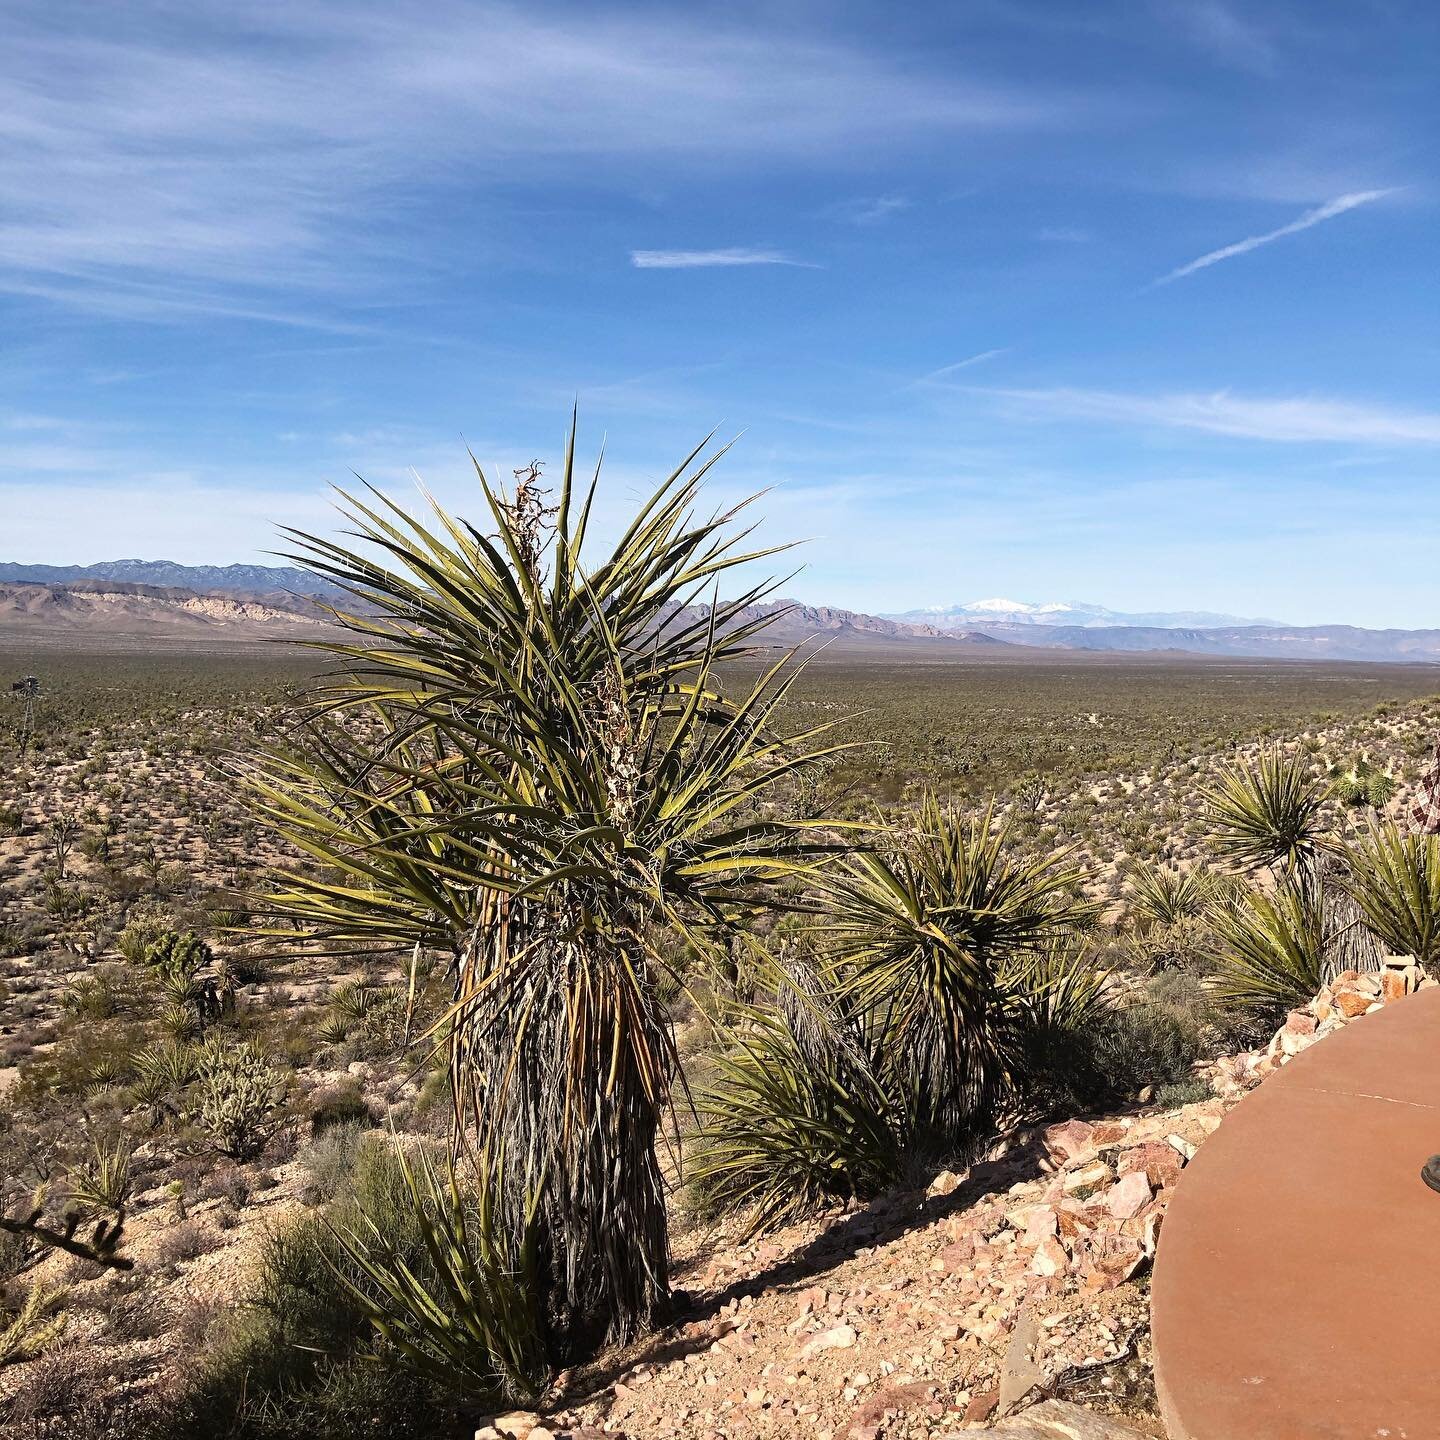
(1136, 304)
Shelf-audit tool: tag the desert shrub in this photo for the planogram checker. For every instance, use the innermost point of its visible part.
(467, 1321)
(135, 940)
(329, 1159)
(342, 1104)
(12, 820)
(179, 1243)
(1182, 1092)
(296, 1359)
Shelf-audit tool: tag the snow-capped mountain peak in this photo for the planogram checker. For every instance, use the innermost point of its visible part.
(999, 610)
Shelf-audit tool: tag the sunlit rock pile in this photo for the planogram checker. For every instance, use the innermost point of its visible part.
(1346, 998)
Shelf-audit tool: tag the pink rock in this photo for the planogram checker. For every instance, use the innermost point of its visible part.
(1129, 1195)
(1049, 1259)
(1040, 1224)
(1161, 1163)
(1069, 1141)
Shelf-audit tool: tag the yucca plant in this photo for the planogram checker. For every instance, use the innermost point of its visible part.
(103, 1183)
(1394, 879)
(796, 1117)
(529, 767)
(1163, 897)
(1272, 947)
(469, 1321)
(1268, 812)
(943, 935)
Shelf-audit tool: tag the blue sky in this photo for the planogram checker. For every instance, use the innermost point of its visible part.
(1133, 302)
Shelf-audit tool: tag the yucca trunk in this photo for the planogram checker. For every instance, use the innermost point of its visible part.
(561, 1059)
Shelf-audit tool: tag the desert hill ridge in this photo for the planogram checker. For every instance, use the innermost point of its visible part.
(141, 612)
(114, 611)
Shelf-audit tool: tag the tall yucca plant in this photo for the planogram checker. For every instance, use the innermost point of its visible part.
(1395, 881)
(943, 936)
(527, 763)
(1267, 812)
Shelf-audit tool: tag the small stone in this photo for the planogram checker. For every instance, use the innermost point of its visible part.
(1049, 1259)
(947, 1182)
(981, 1406)
(839, 1337)
(1088, 1180)
(1181, 1146)
(1129, 1195)
(1350, 1003)
(518, 1424)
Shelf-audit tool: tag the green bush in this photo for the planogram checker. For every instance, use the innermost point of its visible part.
(342, 1104)
(297, 1358)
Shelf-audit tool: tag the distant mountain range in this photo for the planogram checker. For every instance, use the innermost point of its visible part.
(1071, 613)
(137, 602)
(247, 579)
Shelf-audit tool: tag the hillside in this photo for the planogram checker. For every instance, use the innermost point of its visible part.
(130, 614)
(1286, 642)
(145, 615)
(144, 602)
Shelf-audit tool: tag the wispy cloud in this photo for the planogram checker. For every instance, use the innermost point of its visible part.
(964, 364)
(706, 259)
(1218, 29)
(1301, 419)
(1328, 211)
(223, 160)
(869, 209)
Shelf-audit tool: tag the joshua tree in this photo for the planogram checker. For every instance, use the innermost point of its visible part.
(530, 767)
(61, 833)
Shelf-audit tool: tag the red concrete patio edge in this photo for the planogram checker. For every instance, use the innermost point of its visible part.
(1296, 1293)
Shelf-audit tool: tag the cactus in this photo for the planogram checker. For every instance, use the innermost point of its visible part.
(240, 1093)
(36, 1325)
(178, 955)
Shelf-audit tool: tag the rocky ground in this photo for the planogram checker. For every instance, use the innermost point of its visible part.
(950, 1309)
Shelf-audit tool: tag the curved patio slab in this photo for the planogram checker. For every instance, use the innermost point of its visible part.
(1296, 1293)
